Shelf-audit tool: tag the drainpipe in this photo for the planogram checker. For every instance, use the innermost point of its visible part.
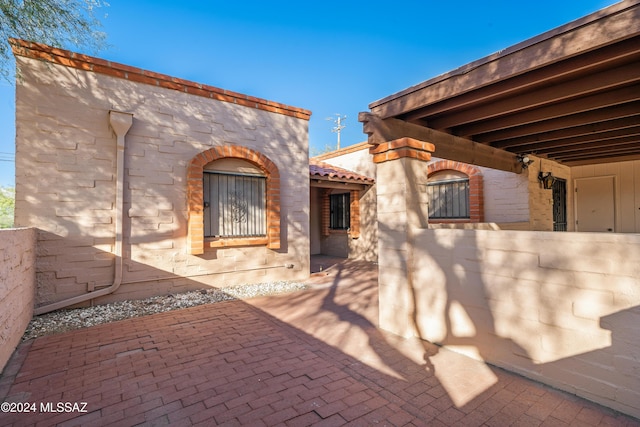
(120, 123)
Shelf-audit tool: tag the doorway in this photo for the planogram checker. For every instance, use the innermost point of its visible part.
(595, 204)
(560, 205)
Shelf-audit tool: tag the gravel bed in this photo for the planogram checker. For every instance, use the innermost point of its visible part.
(67, 320)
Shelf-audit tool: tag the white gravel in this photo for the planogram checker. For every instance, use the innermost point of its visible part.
(67, 320)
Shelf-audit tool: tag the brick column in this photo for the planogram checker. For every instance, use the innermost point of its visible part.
(402, 207)
(325, 213)
(354, 214)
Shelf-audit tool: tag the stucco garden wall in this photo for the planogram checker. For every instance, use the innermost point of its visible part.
(561, 308)
(17, 287)
(66, 167)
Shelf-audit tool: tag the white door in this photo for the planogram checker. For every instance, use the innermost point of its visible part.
(595, 204)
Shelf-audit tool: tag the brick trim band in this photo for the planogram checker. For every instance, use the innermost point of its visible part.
(195, 197)
(354, 214)
(402, 147)
(476, 188)
(88, 63)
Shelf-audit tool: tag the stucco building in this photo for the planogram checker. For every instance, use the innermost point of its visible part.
(560, 111)
(141, 183)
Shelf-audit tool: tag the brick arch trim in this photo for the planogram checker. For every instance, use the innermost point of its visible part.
(195, 195)
(476, 189)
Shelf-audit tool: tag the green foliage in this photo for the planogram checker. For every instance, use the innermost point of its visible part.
(7, 206)
(58, 23)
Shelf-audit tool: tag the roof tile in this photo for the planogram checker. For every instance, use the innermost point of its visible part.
(326, 171)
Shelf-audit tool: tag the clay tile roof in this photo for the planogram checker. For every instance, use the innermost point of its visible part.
(325, 171)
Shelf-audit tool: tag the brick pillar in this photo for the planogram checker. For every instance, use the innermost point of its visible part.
(354, 214)
(402, 207)
(325, 213)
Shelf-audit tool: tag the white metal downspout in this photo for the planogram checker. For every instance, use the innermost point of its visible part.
(120, 122)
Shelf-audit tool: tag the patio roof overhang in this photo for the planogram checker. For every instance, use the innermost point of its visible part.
(571, 94)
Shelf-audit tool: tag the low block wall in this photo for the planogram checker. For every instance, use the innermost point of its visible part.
(561, 308)
(17, 287)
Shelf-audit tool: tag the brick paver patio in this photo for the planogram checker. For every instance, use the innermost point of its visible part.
(309, 358)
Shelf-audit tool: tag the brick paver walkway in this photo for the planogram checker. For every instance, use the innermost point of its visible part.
(308, 358)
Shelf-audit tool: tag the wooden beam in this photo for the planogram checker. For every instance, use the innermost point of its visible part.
(602, 100)
(568, 144)
(447, 146)
(631, 109)
(594, 130)
(564, 71)
(577, 88)
(603, 28)
(599, 160)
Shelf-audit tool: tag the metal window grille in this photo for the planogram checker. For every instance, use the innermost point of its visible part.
(234, 205)
(449, 199)
(340, 211)
(560, 205)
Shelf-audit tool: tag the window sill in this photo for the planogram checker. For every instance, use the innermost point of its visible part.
(338, 231)
(235, 242)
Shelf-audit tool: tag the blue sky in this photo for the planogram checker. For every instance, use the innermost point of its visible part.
(327, 57)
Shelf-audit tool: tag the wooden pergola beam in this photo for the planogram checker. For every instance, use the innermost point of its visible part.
(447, 146)
(617, 23)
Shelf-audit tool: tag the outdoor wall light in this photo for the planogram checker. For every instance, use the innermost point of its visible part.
(524, 160)
(546, 179)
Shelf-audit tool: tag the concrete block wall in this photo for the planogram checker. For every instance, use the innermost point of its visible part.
(65, 183)
(17, 287)
(396, 213)
(506, 196)
(561, 308)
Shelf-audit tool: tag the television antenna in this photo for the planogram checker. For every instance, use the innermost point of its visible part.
(338, 120)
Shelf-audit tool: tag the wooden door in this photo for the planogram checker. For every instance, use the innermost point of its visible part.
(595, 204)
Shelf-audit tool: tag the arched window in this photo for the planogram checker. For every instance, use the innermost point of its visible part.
(233, 199)
(455, 192)
(448, 193)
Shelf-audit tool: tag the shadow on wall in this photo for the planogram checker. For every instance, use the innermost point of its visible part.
(93, 269)
(66, 111)
(231, 352)
(531, 302)
(17, 286)
(546, 305)
(365, 247)
(281, 351)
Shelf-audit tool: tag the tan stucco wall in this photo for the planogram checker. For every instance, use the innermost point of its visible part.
(561, 308)
(506, 196)
(518, 201)
(17, 287)
(364, 247)
(357, 161)
(65, 183)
